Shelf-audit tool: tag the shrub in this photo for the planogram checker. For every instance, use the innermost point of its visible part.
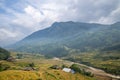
(76, 68)
(55, 67)
(31, 65)
(4, 67)
(64, 66)
(19, 56)
(4, 54)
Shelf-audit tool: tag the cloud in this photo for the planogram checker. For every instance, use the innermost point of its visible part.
(34, 13)
(8, 37)
(111, 18)
(19, 18)
(7, 33)
(32, 19)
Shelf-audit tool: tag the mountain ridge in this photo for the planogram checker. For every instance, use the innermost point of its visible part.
(73, 35)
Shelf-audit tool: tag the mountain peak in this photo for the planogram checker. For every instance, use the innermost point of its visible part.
(76, 35)
(57, 23)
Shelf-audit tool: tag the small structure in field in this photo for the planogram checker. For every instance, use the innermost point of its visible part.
(28, 69)
(55, 67)
(68, 70)
(11, 59)
(57, 59)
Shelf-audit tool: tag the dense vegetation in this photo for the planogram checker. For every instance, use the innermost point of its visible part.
(4, 54)
(108, 61)
(73, 38)
(20, 69)
(70, 37)
(77, 68)
(4, 66)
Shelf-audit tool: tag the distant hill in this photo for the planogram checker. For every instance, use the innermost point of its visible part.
(112, 48)
(62, 38)
(4, 54)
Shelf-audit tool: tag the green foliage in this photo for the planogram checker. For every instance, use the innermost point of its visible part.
(108, 55)
(4, 54)
(76, 37)
(31, 65)
(113, 71)
(19, 56)
(76, 68)
(4, 67)
(64, 66)
(87, 73)
(55, 67)
(105, 60)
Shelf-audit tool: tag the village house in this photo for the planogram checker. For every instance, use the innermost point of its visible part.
(68, 70)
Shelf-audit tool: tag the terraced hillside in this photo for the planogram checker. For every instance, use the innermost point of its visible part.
(16, 70)
(41, 75)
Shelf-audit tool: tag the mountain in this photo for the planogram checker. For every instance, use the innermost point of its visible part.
(4, 54)
(62, 38)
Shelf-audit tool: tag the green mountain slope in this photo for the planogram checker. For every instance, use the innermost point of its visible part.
(66, 37)
(4, 54)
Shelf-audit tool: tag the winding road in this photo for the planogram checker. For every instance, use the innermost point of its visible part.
(95, 71)
(99, 72)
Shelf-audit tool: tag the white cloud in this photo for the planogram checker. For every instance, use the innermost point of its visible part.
(27, 16)
(31, 19)
(8, 34)
(34, 13)
(8, 37)
(110, 18)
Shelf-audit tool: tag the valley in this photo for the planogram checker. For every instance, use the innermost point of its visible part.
(59, 39)
(90, 49)
(43, 72)
(98, 60)
(63, 38)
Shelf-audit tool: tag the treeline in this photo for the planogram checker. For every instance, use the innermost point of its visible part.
(77, 68)
(4, 66)
(115, 71)
(112, 68)
(107, 55)
(4, 54)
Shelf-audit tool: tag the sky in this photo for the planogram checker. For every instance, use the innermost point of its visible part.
(20, 18)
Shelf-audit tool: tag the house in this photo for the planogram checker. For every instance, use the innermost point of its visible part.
(68, 70)
(11, 59)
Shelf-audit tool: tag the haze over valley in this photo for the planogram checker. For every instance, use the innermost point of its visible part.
(59, 40)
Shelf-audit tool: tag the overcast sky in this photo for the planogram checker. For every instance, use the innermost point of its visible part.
(19, 18)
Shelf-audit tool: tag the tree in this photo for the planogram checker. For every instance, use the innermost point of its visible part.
(64, 66)
(76, 68)
(4, 54)
(19, 56)
(31, 65)
(4, 67)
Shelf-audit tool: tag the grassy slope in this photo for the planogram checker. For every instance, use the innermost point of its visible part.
(17, 75)
(99, 60)
(40, 75)
(43, 72)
